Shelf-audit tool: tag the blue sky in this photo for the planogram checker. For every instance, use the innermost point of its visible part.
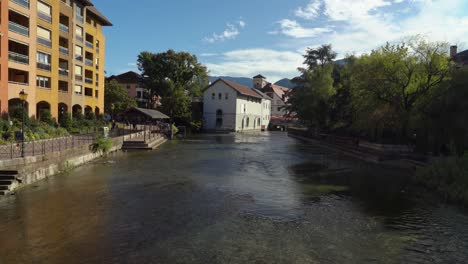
(245, 37)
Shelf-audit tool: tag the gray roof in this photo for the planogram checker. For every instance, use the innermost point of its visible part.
(266, 97)
(154, 114)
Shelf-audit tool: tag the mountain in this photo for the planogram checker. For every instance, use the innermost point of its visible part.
(240, 80)
(285, 83)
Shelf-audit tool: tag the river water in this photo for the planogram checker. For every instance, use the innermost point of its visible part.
(260, 198)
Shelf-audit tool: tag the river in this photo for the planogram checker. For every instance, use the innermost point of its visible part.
(263, 198)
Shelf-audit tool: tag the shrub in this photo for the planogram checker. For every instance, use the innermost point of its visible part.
(46, 117)
(102, 144)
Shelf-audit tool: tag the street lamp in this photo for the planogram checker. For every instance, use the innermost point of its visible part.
(23, 97)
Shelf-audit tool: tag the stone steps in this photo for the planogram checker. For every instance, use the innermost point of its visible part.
(9, 180)
(142, 145)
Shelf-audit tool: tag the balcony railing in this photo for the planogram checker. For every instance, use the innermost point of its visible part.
(64, 28)
(89, 44)
(44, 16)
(63, 50)
(78, 57)
(79, 78)
(24, 3)
(89, 80)
(45, 42)
(16, 57)
(80, 18)
(43, 66)
(12, 26)
(79, 38)
(63, 72)
(18, 83)
(89, 62)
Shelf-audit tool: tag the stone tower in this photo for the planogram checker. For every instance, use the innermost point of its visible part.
(259, 82)
(453, 51)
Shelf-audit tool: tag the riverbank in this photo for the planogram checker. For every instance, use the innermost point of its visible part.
(392, 155)
(29, 170)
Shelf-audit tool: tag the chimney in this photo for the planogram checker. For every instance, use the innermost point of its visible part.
(453, 51)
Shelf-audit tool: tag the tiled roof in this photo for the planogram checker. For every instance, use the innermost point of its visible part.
(262, 94)
(99, 15)
(259, 76)
(244, 90)
(128, 77)
(280, 91)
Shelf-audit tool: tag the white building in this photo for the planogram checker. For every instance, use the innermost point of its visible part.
(228, 106)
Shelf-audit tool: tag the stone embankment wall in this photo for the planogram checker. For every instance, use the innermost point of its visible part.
(32, 169)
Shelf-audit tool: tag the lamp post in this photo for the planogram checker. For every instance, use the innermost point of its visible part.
(23, 97)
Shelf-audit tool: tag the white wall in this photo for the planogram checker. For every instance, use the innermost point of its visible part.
(253, 113)
(210, 107)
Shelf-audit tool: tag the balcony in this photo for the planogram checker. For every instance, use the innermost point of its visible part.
(64, 28)
(23, 3)
(12, 26)
(78, 57)
(89, 62)
(79, 78)
(79, 38)
(19, 58)
(44, 16)
(63, 72)
(80, 18)
(89, 80)
(63, 50)
(44, 42)
(89, 44)
(43, 66)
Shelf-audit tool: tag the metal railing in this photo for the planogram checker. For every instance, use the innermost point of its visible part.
(44, 16)
(79, 38)
(89, 62)
(20, 58)
(89, 44)
(63, 72)
(79, 57)
(43, 66)
(12, 26)
(42, 147)
(89, 80)
(64, 28)
(63, 50)
(24, 3)
(45, 42)
(79, 78)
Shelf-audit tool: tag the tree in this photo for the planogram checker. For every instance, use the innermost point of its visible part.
(117, 99)
(175, 76)
(391, 81)
(320, 56)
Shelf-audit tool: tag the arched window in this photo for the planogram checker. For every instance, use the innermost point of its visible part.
(219, 118)
(247, 123)
(213, 96)
(220, 96)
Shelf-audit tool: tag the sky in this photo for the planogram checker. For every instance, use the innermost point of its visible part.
(244, 38)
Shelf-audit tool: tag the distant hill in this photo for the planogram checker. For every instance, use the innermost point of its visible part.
(285, 83)
(240, 80)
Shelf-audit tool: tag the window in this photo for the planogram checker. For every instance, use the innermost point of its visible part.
(96, 92)
(248, 121)
(78, 89)
(43, 61)
(279, 109)
(139, 94)
(44, 12)
(79, 32)
(227, 96)
(43, 82)
(213, 96)
(79, 53)
(44, 37)
(220, 96)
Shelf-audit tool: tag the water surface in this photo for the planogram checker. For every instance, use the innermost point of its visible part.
(260, 198)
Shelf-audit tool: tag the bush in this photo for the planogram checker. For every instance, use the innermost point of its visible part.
(102, 144)
(46, 117)
(449, 177)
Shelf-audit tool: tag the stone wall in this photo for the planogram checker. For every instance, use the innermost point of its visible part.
(32, 169)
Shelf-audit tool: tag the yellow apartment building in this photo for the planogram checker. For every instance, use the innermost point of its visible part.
(54, 50)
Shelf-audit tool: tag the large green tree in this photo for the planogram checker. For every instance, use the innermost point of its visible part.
(117, 99)
(175, 76)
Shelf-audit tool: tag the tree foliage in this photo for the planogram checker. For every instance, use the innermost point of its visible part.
(117, 99)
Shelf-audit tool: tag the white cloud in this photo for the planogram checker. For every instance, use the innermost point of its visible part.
(352, 9)
(249, 62)
(208, 54)
(231, 32)
(311, 11)
(293, 29)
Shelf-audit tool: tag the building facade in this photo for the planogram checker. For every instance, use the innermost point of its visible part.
(279, 96)
(228, 106)
(266, 110)
(54, 50)
(132, 82)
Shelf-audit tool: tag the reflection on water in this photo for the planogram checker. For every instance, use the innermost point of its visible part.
(230, 199)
